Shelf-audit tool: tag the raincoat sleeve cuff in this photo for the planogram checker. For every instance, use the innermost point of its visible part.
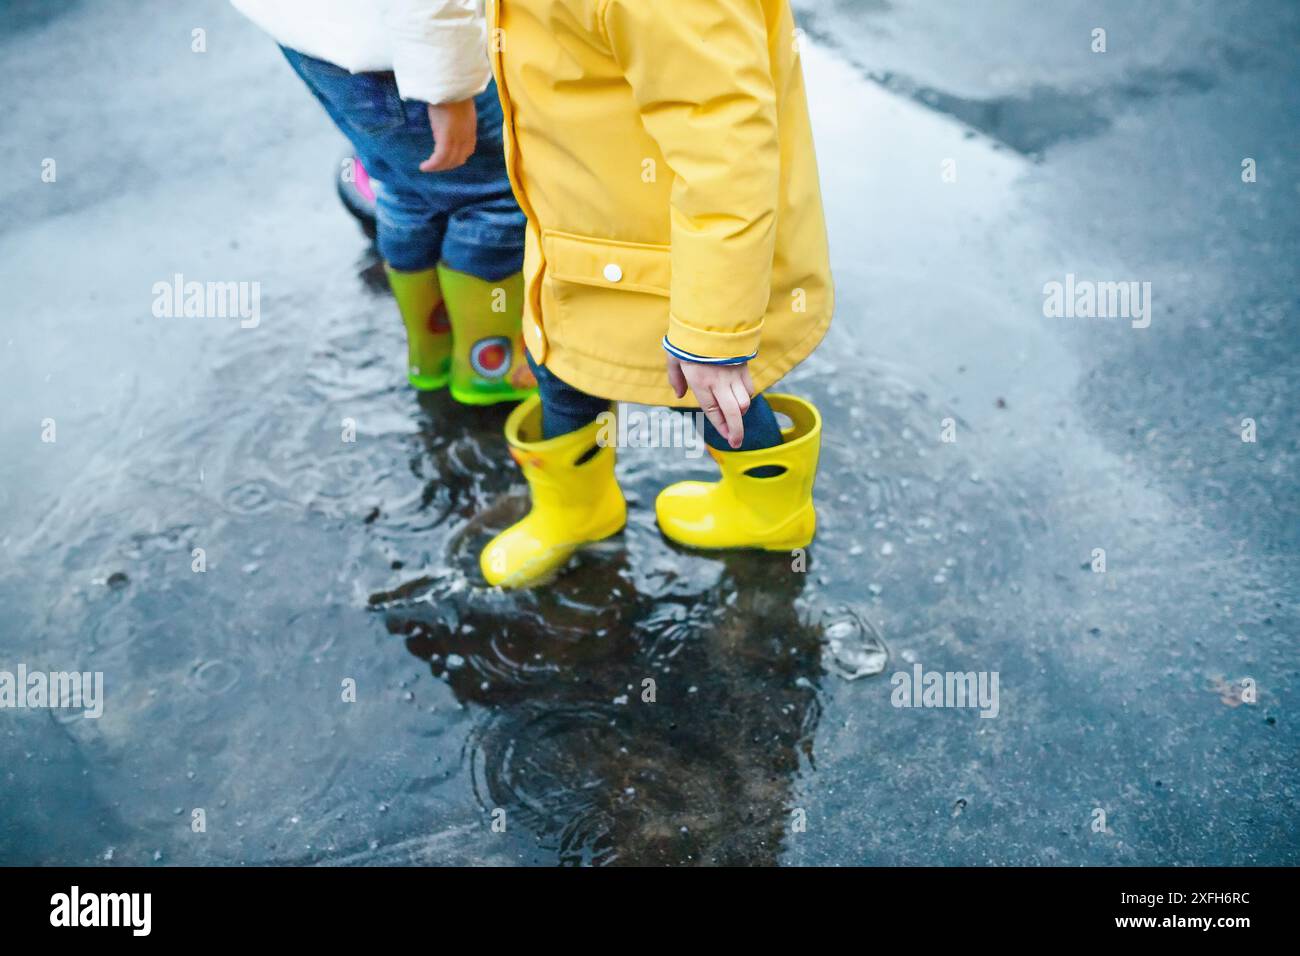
(702, 345)
(692, 357)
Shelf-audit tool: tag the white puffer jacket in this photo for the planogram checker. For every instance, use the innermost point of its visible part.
(436, 48)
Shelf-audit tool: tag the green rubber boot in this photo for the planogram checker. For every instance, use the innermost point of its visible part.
(487, 363)
(428, 332)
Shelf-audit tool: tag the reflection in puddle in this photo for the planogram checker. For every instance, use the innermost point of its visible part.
(628, 725)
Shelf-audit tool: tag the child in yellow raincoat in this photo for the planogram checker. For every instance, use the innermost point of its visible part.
(662, 152)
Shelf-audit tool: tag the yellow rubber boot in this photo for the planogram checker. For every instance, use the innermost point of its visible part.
(488, 364)
(428, 333)
(576, 500)
(743, 510)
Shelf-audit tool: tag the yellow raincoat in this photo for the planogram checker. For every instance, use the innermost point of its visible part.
(663, 154)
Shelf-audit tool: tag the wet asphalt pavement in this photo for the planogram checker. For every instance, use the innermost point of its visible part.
(977, 454)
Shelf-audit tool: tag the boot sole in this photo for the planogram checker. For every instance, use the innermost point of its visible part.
(524, 580)
(428, 383)
(785, 544)
(471, 397)
(598, 535)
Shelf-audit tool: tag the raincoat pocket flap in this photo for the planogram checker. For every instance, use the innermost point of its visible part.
(607, 263)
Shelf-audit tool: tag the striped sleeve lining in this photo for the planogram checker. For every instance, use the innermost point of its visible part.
(703, 360)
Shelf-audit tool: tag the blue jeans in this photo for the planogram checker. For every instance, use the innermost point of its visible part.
(465, 217)
(565, 409)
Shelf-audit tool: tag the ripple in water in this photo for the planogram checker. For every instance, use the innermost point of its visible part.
(853, 647)
(213, 678)
(248, 497)
(625, 724)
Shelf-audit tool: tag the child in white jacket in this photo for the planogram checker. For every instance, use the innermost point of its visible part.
(408, 82)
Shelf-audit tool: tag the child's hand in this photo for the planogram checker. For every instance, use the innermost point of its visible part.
(455, 134)
(723, 392)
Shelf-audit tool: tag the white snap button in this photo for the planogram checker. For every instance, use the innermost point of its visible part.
(612, 272)
(535, 340)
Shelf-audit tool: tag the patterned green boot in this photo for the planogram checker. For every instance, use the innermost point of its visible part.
(488, 363)
(428, 333)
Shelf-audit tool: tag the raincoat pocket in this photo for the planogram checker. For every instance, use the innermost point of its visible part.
(610, 298)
